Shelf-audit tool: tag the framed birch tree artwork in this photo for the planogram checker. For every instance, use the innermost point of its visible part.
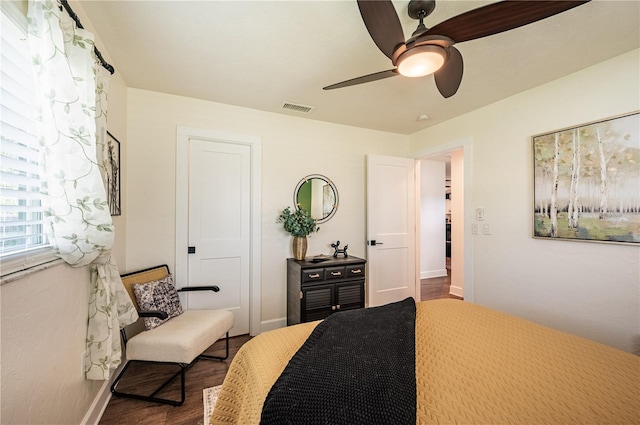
(587, 182)
(112, 173)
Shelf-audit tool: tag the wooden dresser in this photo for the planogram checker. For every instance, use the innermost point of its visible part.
(315, 290)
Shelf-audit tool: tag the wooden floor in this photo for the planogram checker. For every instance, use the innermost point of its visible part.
(437, 287)
(204, 374)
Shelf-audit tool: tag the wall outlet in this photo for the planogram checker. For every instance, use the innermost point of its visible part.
(479, 214)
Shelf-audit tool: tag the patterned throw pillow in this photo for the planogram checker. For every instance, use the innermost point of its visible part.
(158, 295)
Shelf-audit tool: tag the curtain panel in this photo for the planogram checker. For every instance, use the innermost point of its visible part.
(72, 98)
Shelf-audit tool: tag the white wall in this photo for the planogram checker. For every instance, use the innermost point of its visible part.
(432, 219)
(291, 149)
(44, 319)
(589, 289)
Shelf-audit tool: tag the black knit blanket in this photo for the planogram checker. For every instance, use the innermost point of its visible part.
(356, 367)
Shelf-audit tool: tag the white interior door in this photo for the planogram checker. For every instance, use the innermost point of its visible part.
(219, 227)
(391, 229)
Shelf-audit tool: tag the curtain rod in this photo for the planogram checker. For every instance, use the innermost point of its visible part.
(71, 13)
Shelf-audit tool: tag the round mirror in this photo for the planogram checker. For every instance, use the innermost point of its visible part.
(317, 195)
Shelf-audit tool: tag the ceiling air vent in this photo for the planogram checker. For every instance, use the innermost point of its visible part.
(297, 108)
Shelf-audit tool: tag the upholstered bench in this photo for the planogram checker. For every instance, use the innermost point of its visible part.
(181, 339)
(173, 336)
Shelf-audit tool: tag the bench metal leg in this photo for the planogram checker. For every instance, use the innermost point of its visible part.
(181, 372)
(226, 356)
(152, 397)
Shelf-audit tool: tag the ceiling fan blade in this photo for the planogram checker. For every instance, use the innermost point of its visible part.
(498, 17)
(364, 79)
(448, 77)
(383, 24)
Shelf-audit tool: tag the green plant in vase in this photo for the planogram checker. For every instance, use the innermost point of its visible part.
(300, 225)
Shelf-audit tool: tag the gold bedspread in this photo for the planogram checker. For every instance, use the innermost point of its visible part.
(473, 365)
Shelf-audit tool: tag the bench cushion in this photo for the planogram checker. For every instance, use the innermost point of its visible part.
(181, 339)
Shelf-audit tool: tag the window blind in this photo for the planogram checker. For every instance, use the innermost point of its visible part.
(21, 215)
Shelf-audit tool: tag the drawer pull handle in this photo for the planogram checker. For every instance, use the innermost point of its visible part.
(314, 276)
(356, 271)
(336, 273)
(333, 307)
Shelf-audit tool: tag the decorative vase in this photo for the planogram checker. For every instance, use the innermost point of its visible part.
(299, 247)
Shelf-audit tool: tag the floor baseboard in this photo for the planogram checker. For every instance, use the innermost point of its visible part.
(429, 274)
(457, 291)
(269, 325)
(94, 414)
(97, 408)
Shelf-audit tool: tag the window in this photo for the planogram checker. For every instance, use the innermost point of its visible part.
(22, 237)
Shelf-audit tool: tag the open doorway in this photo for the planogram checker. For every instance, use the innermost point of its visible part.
(442, 225)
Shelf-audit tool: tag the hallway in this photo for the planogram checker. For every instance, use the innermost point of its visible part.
(437, 287)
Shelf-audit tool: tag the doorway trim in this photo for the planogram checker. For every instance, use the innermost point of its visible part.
(182, 209)
(466, 144)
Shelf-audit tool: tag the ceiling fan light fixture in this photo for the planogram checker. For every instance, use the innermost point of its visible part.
(421, 61)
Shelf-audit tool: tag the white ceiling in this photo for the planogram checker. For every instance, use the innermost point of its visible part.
(260, 54)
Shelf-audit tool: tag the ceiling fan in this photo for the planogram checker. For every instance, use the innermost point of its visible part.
(431, 50)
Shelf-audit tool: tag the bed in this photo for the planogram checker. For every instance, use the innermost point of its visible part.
(472, 365)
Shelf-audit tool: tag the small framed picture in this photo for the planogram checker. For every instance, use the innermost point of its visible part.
(112, 173)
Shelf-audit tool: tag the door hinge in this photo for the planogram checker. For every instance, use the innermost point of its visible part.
(191, 250)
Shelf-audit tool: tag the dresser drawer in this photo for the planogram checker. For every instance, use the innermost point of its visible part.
(355, 271)
(335, 273)
(312, 275)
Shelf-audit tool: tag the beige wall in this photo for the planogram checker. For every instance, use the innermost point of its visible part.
(44, 320)
(117, 125)
(291, 149)
(432, 219)
(588, 289)
(44, 329)
(458, 224)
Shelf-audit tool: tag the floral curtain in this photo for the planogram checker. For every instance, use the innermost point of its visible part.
(72, 94)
